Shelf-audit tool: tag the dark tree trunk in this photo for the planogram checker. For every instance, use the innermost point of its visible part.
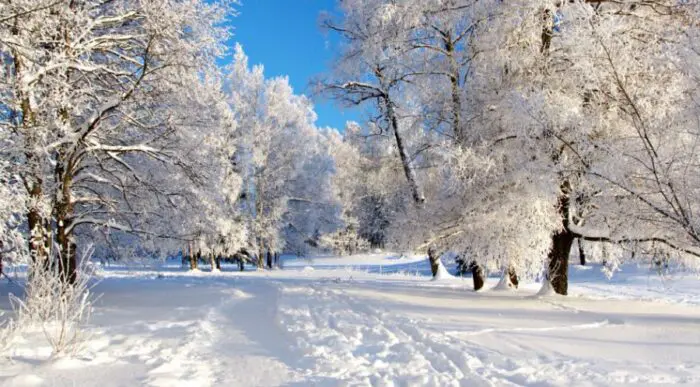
(392, 118)
(195, 260)
(212, 261)
(261, 259)
(63, 211)
(581, 253)
(513, 276)
(478, 275)
(434, 259)
(192, 257)
(558, 271)
(217, 261)
(241, 264)
(269, 260)
(547, 31)
(562, 240)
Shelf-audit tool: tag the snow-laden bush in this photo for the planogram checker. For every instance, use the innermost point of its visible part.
(59, 309)
(8, 330)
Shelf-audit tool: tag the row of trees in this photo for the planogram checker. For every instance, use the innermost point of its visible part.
(505, 131)
(118, 130)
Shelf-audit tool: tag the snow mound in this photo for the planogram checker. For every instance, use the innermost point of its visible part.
(504, 284)
(546, 290)
(237, 293)
(442, 273)
(25, 380)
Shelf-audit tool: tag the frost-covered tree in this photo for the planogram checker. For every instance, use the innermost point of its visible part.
(368, 183)
(371, 70)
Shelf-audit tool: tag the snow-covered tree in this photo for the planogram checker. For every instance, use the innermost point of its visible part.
(371, 71)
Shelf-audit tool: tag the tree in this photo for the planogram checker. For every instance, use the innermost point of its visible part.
(370, 70)
(578, 93)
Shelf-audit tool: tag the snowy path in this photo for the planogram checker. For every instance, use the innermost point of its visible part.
(379, 336)
(343, 328)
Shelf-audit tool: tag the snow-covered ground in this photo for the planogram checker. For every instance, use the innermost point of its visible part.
(371, 320)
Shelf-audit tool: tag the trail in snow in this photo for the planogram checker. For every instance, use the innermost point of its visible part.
(364, 338)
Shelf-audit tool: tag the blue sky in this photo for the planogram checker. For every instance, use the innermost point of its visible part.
(285, 37)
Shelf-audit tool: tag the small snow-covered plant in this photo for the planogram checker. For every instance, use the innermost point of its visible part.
(8, 329)
(59, 308)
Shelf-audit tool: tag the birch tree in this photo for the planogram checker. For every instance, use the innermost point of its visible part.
(370, 71)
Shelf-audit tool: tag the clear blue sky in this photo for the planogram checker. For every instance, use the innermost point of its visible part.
(285, 37)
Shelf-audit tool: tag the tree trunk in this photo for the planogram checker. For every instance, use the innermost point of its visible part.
(63, 212)
(269, 260)
(38, 234)
(191, 256)
(478, 275)
(434, 259)
(194, 258)
(212, 261)
(581, 253)
(261, 259)
(241, 264)
(217, 261)
(562, 240)
(547, 31)
(558, 271)
(390, 112)
(449, 47)
(513, 276)
(38, 241)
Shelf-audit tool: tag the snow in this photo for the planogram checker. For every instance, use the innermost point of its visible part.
(371, 320)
